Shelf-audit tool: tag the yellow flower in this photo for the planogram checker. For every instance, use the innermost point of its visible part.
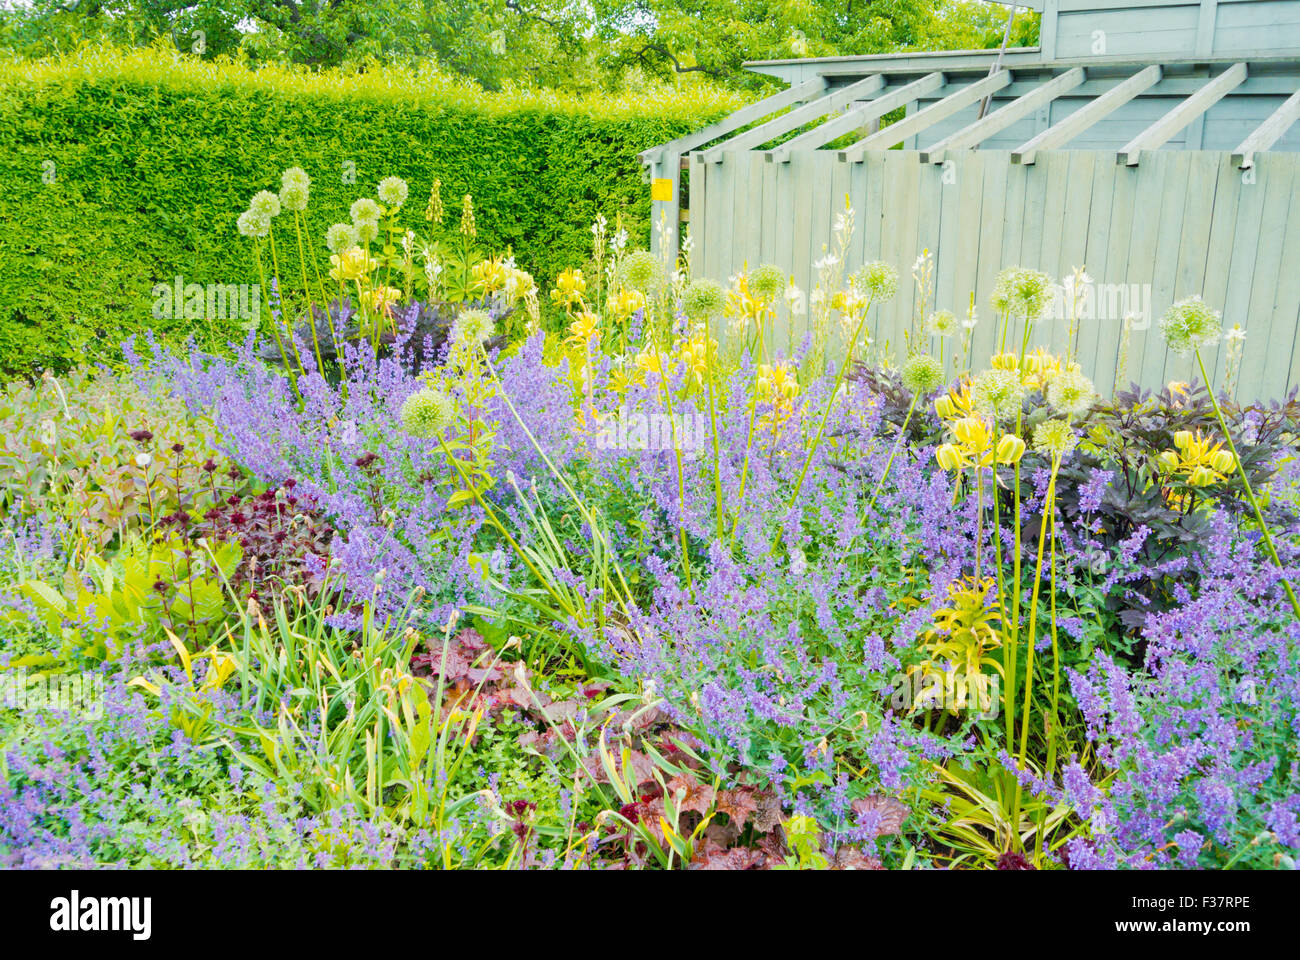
(569, 288)
(1010, 449)
(650, 360)
(1197, 459)
(949, 457)
(740, 302)
(776, 383)
(351, 264)
(490, 275)
(584, 329)
(695, 355)
(954, 405)
(627, 302)
(382, 298)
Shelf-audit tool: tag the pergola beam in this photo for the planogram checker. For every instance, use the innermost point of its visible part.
(814, 110)
(798, 93)
(1268, 133)
(971, 136)
(923, 119)
(1160, 132)
(858, 117)
(1062, 132)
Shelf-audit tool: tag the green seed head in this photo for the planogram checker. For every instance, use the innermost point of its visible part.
(922, 374)
(426, 413)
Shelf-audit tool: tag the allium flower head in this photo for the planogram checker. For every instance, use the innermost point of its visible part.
(1054, 438)
(295, 177)
(1023, 293)
(340, 237)
(878, 279)
(997, 392)
(1070, 392)
(426, 413)
(293, 197)
(364, 209)
(393, 191)
(265, 204)
(942, 323)
(250, 224)
(366, 230)
(642, 270)
(1189, 325)
(470, 328)
(703, 299)
(768, 282)
(922, 374)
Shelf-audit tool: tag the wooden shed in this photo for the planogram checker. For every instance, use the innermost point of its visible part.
(1151, 142)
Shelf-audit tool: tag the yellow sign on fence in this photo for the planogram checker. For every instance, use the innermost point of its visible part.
(661, 188)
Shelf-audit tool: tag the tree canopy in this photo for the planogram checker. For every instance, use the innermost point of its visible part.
(595, 43)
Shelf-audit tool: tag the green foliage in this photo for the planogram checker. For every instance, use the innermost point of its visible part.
(134, 595)
(142, 150)
(66, 451)
(608, 43)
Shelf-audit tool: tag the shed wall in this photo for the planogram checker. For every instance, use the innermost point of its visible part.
(1182, 222)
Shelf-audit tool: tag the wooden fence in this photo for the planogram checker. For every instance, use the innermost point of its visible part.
(1181, 222)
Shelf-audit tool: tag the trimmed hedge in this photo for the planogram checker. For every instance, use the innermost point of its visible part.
(154, 158)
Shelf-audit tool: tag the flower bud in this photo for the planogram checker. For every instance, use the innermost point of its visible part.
(1010, 449)
(949, 457)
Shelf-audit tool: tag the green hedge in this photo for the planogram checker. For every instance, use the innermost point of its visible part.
(153, 159)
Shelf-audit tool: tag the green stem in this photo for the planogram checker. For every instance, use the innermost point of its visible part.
(717, 464)
(1049, 504)
(821, 427)
(898, 441)
(1250, 493)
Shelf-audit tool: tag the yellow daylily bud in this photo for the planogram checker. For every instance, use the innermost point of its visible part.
(1005, 361)
(1202, 477)
(945, 408)
(1183, 439)
(970, 431)
(1223, 461)
(949, 457)
(1010, 449)
(1168, 460)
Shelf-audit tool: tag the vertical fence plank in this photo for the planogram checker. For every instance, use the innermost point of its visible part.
(1218, 258)
(1110, 331)
(997, 170)
(1096, 262)
(1149, 195)
(1245, 246)
(1268, 266)
(1201, 178)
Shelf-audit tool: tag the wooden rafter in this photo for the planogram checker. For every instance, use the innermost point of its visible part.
(1062, 132)
(799, 93)
(813, 110)
(923, 119)
(974, 134)
(858, 117)
(1160, 132)
(1268, 133)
